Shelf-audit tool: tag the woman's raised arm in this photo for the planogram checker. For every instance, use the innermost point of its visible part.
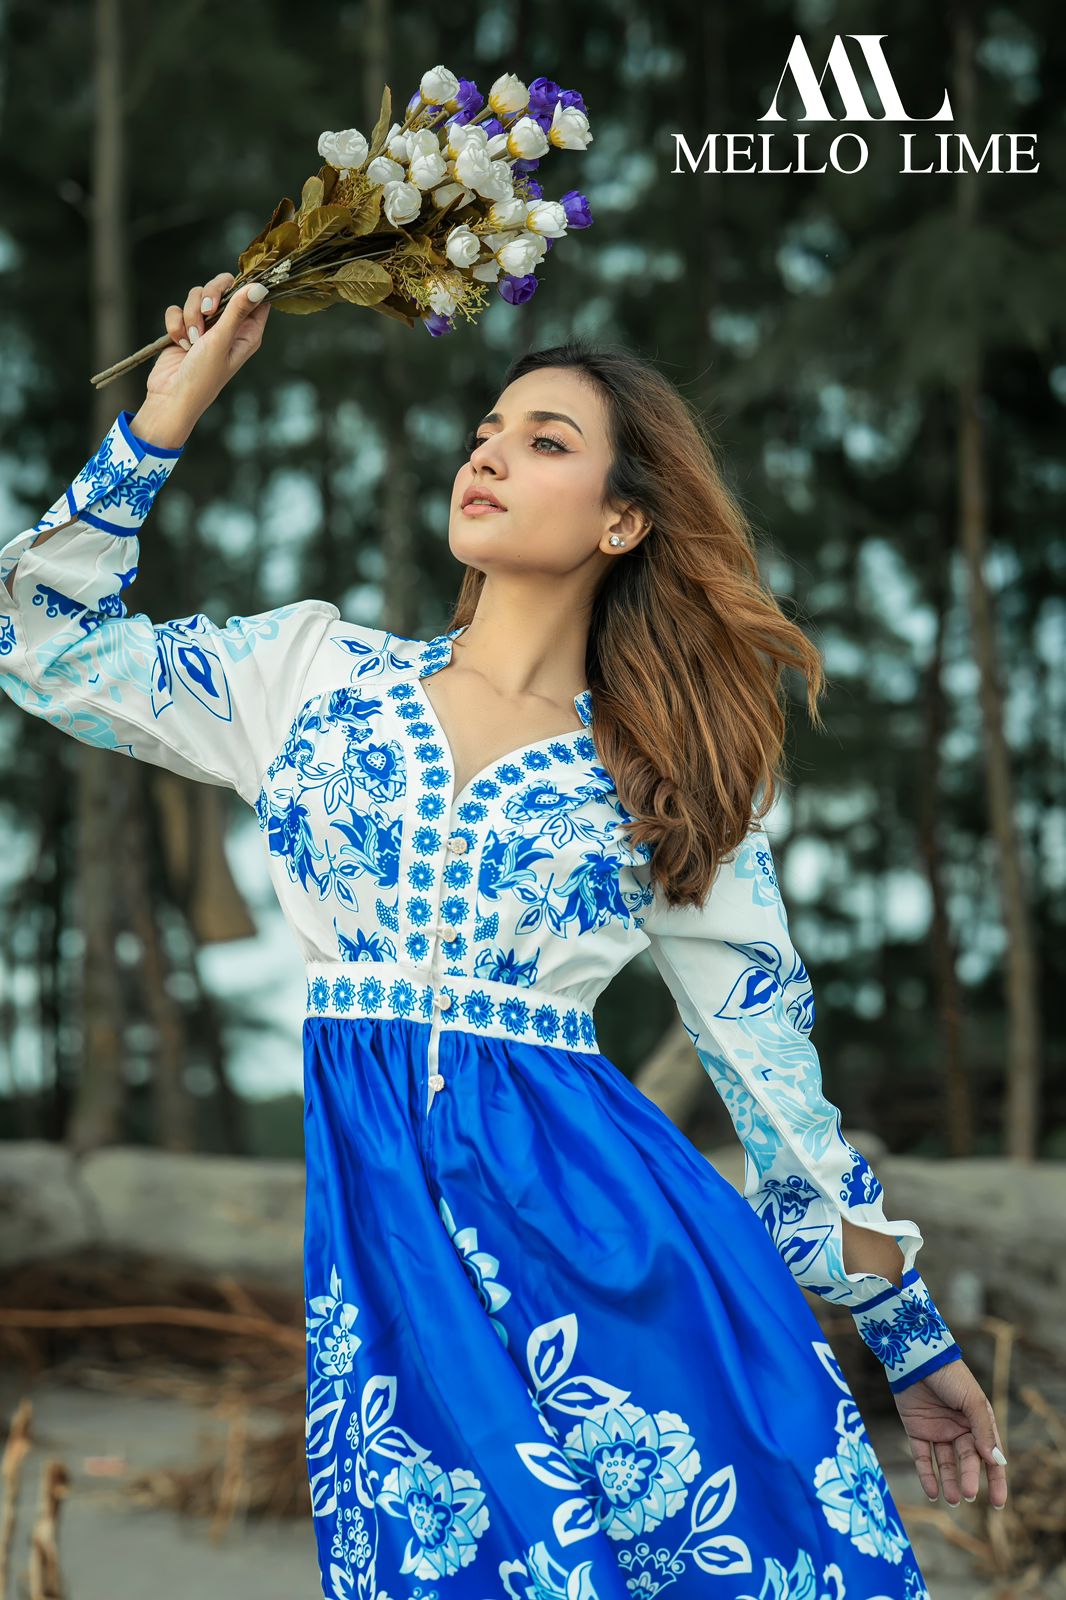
(207, 701)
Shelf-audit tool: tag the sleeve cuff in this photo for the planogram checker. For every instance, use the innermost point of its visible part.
(143, 446)
(115, 488)
(906, 1332)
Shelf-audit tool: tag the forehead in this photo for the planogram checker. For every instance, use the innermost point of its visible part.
(555, 389)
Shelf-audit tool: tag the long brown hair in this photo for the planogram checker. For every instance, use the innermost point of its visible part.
(687, 643)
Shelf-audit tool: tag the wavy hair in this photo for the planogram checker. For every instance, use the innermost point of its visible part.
(687, 643)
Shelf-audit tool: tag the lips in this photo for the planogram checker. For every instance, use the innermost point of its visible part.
(480, 495)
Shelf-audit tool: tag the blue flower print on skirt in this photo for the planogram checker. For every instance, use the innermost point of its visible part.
(552, 1354)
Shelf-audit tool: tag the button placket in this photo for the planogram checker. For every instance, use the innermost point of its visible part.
(456, 844)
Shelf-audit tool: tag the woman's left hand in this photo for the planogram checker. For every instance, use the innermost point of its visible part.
(949, 1413)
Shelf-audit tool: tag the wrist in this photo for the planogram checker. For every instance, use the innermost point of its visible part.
(162, 422)
(906, 1332)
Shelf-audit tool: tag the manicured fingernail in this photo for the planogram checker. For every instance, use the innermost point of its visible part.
(969, 1498)
(206, 304)
(184, 344)
(998, 1457)
(257, 292)
(933, 1497)
(194, 334)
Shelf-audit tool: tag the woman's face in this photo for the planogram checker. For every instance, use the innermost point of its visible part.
(547, 472)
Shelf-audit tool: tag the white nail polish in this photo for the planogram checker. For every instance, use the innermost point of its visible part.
(998, 1457)
(194, 334)
(205, 305)
(185, 345)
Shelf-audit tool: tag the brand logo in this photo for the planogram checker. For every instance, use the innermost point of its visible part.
(941, 153)
(838, 65)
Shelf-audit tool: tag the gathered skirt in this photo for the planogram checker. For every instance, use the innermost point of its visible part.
(552, 1352)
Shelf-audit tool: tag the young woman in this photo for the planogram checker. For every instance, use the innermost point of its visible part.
(550, 1348)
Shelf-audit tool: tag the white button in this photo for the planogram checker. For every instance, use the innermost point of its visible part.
(448, 933)
(436, 1081)
(458, 845)
(443, 1002)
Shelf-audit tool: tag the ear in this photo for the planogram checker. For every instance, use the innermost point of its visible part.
(626, 530)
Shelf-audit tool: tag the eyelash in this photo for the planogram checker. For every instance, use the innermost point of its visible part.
(473, 439)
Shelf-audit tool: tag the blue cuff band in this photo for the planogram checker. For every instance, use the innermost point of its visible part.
(142, 446)
(905, 1331)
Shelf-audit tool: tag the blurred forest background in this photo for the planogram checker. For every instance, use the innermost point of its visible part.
(882, 360)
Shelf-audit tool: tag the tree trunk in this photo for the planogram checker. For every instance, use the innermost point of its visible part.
(96, 1117)
(1023, 1038)
(956, 1089)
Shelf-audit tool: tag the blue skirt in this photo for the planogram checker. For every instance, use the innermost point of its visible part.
(551, 1352)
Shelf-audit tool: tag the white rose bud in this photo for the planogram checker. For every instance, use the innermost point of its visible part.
(521, 255)
(384, 170)
(402, 203)
(397, 145)
(428, 170)
(527, 140)
(499, 184)
(438, 86)
(442, 299)
(473, 165)
(460, 134)
(347, 148)
(507, 213)
(569, 129)
(508, 94)
(548, 218)
(423, 142)
(462, 247)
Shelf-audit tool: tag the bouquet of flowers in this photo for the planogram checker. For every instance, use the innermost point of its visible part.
(423, 220)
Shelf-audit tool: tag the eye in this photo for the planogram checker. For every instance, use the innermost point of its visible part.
(473, 439)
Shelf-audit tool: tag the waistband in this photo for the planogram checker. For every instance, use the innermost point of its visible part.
(390, 990)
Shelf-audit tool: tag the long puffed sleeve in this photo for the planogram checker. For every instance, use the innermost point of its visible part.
(745, 998)
(206, 701)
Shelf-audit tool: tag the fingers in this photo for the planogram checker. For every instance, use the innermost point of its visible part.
(175, 325)
(987, 1441)
(923, 1461)
(949, 1472)
(187, 323)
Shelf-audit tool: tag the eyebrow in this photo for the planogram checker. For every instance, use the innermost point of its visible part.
(537, 416)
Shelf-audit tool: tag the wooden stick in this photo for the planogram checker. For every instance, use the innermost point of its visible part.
(173, 1316)
(15, 1452)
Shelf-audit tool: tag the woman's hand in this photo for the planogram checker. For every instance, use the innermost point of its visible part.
(208, 348)
(949, 1413)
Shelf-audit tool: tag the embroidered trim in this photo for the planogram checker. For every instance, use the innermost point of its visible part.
(394, 990)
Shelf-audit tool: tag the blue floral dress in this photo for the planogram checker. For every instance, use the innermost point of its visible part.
(551, 1352)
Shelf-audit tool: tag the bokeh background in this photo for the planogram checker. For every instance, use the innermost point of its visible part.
(882, 360)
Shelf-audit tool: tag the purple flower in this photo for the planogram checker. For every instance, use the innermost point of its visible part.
(492, 126)
(414, 102)
(576, 206)
(436, 324)
(542, 118)
(535, 190)
(517, 290)
(570, 97)
(529, 165)
(470, 97)
(543, 94)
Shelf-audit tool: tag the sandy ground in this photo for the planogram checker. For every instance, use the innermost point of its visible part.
(112, 1551)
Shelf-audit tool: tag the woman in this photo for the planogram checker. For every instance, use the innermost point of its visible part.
(549, 1347)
